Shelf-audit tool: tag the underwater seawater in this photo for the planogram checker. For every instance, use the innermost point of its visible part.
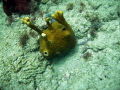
(92, 62)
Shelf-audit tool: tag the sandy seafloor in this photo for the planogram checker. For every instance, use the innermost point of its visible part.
(91, 65)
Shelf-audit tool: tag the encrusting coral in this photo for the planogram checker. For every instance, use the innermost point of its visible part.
(57, 38)
(17, 6)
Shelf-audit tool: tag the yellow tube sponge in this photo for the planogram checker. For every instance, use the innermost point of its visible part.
(32, 26)
(57, 38)
(58, 16)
